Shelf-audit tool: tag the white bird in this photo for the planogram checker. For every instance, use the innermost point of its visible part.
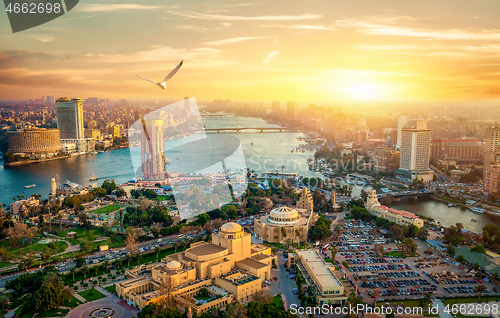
(163, 85)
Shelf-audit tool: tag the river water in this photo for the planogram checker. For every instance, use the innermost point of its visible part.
(269, 152)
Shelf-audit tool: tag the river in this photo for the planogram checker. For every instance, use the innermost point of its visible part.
(269, 152)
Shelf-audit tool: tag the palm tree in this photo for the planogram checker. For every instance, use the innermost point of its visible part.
(175, 246)
(356, 278)
(59, 218)
(128, 258)
(85, 270)
(479, 290)
(73, 271)
(426, 301)
(157, 249)
(117, 263)
(297, 234)
(4, 300)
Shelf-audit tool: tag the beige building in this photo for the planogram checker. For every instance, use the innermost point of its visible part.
(393, 215)
(326, 286)
(34, 141)
(295, 222)
(386, 159)
(230, 267)
(17, 207)
(492, 146)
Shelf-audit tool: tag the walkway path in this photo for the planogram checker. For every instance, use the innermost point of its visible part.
(80, 298)
(441, 308)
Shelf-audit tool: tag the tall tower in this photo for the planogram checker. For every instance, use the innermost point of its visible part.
(70, 121)
(305, 200)
(372, 200)
(153, 150)
(53, 187)
(402, 121)
(492, 146)
(415, 152)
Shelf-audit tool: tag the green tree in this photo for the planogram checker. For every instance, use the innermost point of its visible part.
(479, 290)
(460, 258)
(450, 249)
(48, 297)
(4, 301)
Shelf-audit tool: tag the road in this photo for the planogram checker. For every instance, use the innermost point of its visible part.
(284, 284)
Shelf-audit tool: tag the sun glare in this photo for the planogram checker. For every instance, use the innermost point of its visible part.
(363, 91)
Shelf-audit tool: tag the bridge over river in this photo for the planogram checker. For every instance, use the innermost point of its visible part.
(253, 129)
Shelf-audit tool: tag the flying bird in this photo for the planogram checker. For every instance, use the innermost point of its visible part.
(163, 85)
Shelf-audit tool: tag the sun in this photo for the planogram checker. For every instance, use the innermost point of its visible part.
(363, 91)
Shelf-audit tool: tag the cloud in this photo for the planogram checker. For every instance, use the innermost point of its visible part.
(42, 38)
(191, 28)
(157, 53)
(367, 26)
(116, 7)
(271, 57)
(77, 18)
(235, 40)
(221, 17)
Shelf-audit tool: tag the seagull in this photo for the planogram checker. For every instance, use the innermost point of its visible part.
(163, 85)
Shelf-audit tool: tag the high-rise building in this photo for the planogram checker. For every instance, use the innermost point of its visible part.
(415, 152)
(492, 178)
(153, 150)
(491, 146)
(402, 121)
(276, 106)
(291, 110)
(70, 122)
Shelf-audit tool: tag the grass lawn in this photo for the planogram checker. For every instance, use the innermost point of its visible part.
(106, 209)
(277, 300)
(80, 232)
(5, 264)
(401, 254)
(28, 248)
(72, 303)
(466, 300)
(49, 313)
(407, 303)
(278, 245)
(95, 296)
(111, 289)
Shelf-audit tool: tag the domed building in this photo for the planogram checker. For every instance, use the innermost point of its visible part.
(296, 222)
(231, 267)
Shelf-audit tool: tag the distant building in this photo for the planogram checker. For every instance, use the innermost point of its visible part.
(292, 110)
(415, 152)
(492, 178)
(371, 144)
(268, 227)
(468, 151)
(276, 109)
(70, 122)
(393, 215)
(492, 147)
(93, 133)
(402, 122)
(69, 188)
(34, 141)
(17, 207)
(386, 159)
(153, 150)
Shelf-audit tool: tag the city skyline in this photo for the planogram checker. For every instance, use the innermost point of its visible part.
(327, 51)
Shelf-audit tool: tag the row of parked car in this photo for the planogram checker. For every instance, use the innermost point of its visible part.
(397, 283)
(392, 267)
(399, 274)
(373, 260)
(407, 291)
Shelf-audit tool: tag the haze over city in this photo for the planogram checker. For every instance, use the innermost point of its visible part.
(320, 51)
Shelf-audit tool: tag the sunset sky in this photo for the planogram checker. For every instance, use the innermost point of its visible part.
(317, 51)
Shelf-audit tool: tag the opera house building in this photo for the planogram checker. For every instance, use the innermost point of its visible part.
(295, 222)
(205, 275)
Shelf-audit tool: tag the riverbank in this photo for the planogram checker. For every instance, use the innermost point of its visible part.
(27, 162)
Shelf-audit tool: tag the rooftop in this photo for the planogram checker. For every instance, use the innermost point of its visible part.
(205, 249)
(320, 269)
(404, 214)
(252, 263)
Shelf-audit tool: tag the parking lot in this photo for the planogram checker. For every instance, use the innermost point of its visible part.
(398, 278)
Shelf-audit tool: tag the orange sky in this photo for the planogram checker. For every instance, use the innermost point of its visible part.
(306, 51)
